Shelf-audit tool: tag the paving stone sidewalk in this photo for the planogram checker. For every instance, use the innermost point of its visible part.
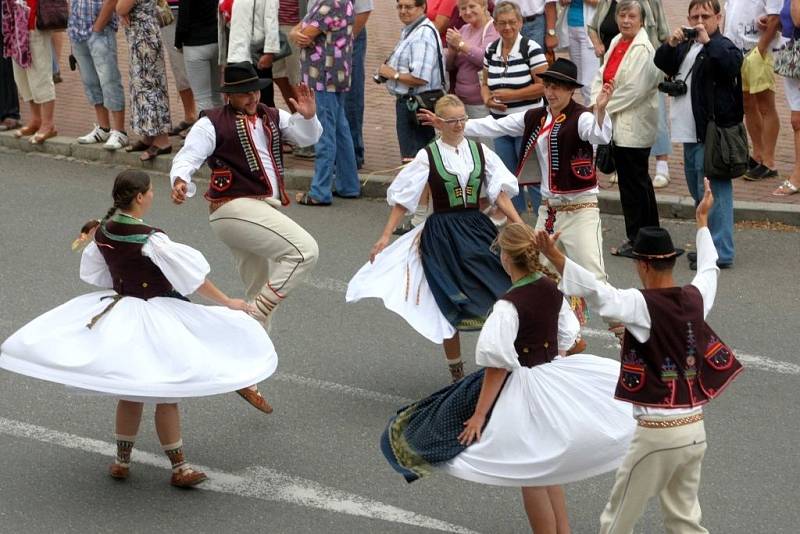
(74, 117)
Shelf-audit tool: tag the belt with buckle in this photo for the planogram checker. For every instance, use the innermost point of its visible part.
(530, 18)
(671, 423)
(570, 207)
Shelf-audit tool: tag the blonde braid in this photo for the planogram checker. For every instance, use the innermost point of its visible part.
(517, 241)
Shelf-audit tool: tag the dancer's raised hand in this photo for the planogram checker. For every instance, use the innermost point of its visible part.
(305, 103)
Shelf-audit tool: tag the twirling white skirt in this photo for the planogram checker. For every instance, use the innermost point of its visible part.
(162, 348)
(552, 424)
(398, 279)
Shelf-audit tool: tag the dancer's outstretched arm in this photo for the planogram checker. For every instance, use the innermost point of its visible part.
(213, 293)
(397, 214)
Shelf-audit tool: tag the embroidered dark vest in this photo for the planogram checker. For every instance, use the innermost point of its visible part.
(236, 169)
(538, 305)
(683, 364)
(571, 158)
(133, 274)
(446, 192)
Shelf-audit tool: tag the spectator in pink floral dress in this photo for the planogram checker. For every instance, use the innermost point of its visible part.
(325, 36)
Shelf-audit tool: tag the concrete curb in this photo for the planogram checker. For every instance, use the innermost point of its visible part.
(669, 206)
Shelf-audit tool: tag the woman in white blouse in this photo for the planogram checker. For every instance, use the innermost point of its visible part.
(143, 341)
(530, 418)
(446, 277)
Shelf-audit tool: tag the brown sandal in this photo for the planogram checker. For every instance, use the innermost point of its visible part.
(138, 146)
(25, 131)
(254, 397)
(39, 138)
(153, 151)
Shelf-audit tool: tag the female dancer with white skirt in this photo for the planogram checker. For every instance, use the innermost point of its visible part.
(441, 277)
(144, 341)
(551, 419)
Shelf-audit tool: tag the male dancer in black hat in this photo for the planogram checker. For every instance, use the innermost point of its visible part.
(242, 143)
(672, 364)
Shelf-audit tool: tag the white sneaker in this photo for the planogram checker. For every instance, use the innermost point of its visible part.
(116, 140)
(97, 135)
(660, 181)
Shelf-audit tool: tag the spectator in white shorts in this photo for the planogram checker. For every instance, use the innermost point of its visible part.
(790, 29)
(758, 80)
(33, 72)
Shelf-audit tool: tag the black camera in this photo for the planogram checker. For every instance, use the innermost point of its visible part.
(673, 87)
(690, 33)
(380, 79)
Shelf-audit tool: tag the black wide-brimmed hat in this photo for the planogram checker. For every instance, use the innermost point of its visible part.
(654, 243)
(242, 78)
(562, 70)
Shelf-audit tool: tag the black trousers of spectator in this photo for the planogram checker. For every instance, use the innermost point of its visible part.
(9, 100)
(636, 192)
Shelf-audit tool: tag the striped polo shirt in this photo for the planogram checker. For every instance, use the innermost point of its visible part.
(515, 73)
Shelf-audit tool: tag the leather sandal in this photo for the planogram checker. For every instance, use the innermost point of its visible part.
(255, 399)
(25, 131)
(306, 199)
(187, 477)
(138, 146)
(119, 472)
(153, 151)
(39, 138)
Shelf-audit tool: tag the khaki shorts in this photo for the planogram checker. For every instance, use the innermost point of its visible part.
(757, 73)
(36, 82)
(288, 67)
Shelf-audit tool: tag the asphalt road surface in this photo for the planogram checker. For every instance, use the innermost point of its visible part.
(314, 465)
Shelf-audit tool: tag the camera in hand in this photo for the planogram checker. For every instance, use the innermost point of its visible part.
(379, 79)
(690, 33)
(673, 87)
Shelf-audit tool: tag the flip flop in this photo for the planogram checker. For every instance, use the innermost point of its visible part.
(307, 200)
(625, 250)
(785, 189)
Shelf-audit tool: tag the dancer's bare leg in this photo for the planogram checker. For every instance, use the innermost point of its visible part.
(540, 512)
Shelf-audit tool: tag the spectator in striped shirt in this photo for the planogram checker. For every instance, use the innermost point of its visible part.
(510, 85)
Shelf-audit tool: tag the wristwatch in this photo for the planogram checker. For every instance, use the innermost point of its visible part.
(396, 76)
(551, 32)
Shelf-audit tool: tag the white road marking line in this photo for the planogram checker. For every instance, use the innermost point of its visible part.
(753, 361)
(341, 388)
(255, 482)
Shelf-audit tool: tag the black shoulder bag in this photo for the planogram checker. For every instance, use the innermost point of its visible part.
(427, 99)
(726, 150)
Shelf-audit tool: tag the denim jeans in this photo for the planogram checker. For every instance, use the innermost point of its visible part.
(534, 30)
(354, 99)
(97, 62)
(412, 138)
(508, 148)
(720, 219)
(335, 158)
(663, 144)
